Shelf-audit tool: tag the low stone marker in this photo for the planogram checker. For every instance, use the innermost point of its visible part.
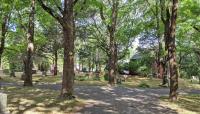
(3, 104)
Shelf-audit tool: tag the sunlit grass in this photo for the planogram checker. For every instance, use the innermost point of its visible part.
(186, 83)
(132, 81)
(138, 81)
(186, 104)
(30, 99)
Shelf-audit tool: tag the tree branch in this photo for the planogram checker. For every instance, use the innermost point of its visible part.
(162, 7)
(197, 29)
(76, 13)
(151, 8)
(103, 18)
(75, 1)
(51, 12)
(59, 8)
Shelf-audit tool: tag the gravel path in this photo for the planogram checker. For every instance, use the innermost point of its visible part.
(119, 100)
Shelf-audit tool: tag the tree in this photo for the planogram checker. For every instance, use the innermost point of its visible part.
(3, 34)
(5, 15)
(66, 19)
(28, 62)
(111, 27)
(165, 17)
(172, 53)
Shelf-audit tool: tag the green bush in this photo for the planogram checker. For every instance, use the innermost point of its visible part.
(183, 74)
(96, 79)
(106, 77)
(144, 70)
(122, 67)
(84, 69)
(45, 65)
(141, 66)
(133, 66)
(6, 71)
(81, 78)
(144, 85)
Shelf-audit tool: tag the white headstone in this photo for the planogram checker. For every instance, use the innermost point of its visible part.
(3, 104)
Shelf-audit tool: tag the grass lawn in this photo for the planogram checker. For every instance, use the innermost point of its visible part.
(26, 100)
(154, 83)
(31, 99)
(186, 104)
(132, 82)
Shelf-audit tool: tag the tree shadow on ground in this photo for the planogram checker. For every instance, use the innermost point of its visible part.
(189, 102)
(32, 100)
(97, 100)
(120, 100)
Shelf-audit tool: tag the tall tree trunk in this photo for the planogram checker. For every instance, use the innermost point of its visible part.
(89, 64)
(4, 29)
(172, 54)
(159, 69)
(30, 47)
(82, 66)
(97, 60)
(116, 59)
(66, 19)
(166, 38)
(68, 67)
(166, 22)
(96, 66)
(93, 63)
(113, 45)
(112, 63)
(99, 66)
(111, 29)
(55, 63)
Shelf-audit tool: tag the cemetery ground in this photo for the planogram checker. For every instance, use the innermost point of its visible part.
(137, 95)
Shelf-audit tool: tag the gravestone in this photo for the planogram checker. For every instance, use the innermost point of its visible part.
(3, 104)
(1, 72)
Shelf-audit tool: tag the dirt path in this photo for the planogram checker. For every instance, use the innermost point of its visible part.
(119, 100)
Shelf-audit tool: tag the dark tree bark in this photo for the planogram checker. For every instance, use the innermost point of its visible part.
(196, 28)
(67, 22)
(165, 17)
(172, 54)
(112, 64)
(96, 59)
(68, 68)
(30, 48)
(55, 63)
(160, 71)
(4, 29)
(89, 64)
(112, 45)
(82, 66)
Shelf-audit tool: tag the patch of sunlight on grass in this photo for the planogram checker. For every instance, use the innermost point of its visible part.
(138, 81)
(47, 79)
(11, 79)
(132, 81)
(91, 83)
(154, 83)
(186, 104)
(186, 83)
(22, 100)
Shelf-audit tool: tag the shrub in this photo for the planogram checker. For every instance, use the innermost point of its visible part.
(144, 85)
(81, 78)
(133, 67)
(122, 67)
(106, 76)
(6, 71)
